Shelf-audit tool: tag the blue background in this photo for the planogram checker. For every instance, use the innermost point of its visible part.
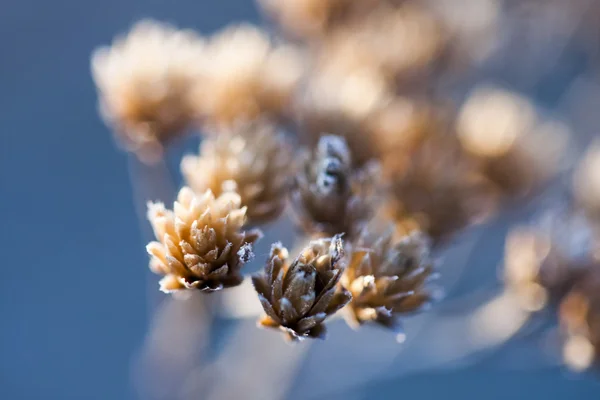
(73, 303)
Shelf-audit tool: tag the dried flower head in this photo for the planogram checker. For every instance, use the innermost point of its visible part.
(542, 260)
(298, 297)
(144, 82)
(328, 196)
(387, 279)
(579, 314)
(372, 42)
(335, 101)
(253, 157)
(437, 190)
(504, 133)
(586, 182)
(201, 244)
(246, 76)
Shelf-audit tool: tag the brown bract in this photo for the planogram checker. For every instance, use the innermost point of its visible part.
(201, 244)
(254, 158)
(144, 84)
(387, 278)
(298, 296)
(328, 195)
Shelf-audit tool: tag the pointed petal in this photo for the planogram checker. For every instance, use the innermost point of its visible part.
(310, 322)
(186, 248)
(304, 303)
(302, 283)
(266, 305)
(277, 291)
(191, 260)
(288, 313)
(170, 283)
(177, 268)
(323, 302)
(339, 300)
(260, 285)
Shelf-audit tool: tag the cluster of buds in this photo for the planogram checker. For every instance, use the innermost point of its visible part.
(145, 83)
(298, 296)
(556, 262)
(356, 85)
(158, 82)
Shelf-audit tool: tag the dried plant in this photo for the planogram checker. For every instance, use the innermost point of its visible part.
(342, 103)
(387, 278)
(144, 83)
(368, 88)
(503, 131)
(254, 158)
(365, 42)
(328, 195)
(246, 76)
(298, 297)
(437, 190)
(201, 244)
(543, 260)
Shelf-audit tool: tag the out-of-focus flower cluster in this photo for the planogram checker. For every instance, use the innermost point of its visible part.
(145, 82)
(556, 261)
(254, 159)
(368, 91)
(157, 82)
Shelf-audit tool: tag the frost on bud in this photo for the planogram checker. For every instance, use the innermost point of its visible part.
(330, 197)
(200, 243)
(298, 296)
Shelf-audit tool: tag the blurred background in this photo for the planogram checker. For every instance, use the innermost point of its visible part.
(81, 317)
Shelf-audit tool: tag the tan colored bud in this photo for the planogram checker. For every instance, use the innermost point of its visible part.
(201, 244)
(144, 84)
(387, 279)
(253, 158)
